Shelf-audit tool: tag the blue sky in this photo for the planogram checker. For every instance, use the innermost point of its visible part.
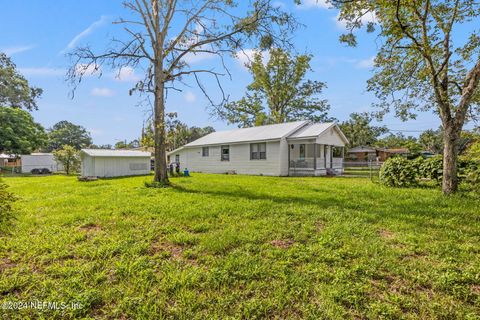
(36, 34)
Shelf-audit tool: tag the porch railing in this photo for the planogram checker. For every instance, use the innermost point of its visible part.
(307, 163)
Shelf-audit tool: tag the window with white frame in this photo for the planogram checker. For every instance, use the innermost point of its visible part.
(225, 154)
(177, 158)
(204, 151)
(258, 151)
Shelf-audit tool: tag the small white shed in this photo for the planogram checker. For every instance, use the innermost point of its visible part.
(114, 163)
(40, 161)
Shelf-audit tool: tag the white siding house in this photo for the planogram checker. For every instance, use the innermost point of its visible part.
(114, 163)
(294, 148)
(40, 161)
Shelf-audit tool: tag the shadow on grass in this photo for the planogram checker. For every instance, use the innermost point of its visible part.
(385, 206)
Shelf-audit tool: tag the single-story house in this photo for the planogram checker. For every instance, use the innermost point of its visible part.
(40, 161)
(286, 149)
(114, 163)
(369, 154)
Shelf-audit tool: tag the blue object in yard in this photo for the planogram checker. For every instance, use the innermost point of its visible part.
(186, 173)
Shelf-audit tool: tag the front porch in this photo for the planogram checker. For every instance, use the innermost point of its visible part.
(308, 158)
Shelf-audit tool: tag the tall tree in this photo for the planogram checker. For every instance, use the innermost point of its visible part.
(279, 92)
(14, 88)
(163, 34)
(423, 64)
(177, 133)
(19, 133)
(66, 133)
(360, 131)
(432, 140)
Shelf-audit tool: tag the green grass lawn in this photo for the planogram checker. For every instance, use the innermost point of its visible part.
(218, 246)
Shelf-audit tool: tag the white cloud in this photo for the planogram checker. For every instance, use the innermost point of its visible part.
(45, 72)
(368, 17)
(308, 4)
(100, 22)
(366, 63)
(10, 51)
(102, 92)
(245, 57)
(126, 74)
(87, 70)
(190, 97)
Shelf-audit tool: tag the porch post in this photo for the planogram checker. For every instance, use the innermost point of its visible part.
(314, 156)
(331, 157)
(325, 156)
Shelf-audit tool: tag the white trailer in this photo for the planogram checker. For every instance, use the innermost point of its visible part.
(40, 161)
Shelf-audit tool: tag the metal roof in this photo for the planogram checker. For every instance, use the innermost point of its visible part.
(312, 130)
(115, 153)
(362, 149)
(261, 133)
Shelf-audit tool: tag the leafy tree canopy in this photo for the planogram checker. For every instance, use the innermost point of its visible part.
(69, 157)
(67, 133)
(19, 133)
(279, 92)
(177, 133)
(359, 130)
(14, 88)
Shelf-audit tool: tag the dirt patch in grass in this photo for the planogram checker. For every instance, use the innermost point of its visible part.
(386, 234)
(319, 226)
(6, 263)
(475, 289)
(284, 244)
(175, 252)
(90, 228)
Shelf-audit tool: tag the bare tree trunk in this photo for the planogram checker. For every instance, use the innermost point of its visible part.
(450, 155)
(159, 113)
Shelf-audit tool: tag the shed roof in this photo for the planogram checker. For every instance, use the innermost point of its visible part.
(261, 133)
(115, 153)
(362, 149)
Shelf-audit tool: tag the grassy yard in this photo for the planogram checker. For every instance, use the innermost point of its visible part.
(218, 246)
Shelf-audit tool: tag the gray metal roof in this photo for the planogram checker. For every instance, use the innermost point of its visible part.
(362, 149)
(115, 153)
(312, 130)
(261, 133)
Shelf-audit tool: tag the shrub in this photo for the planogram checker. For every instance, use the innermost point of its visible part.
(6, 211)
(417, 164)
(398, 172)
(472, 178)
(432, 168)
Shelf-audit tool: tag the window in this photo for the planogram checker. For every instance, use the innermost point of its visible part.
(337, 152)
(301, 155)
(225, 153)
(177, 158)
(205, 152)
(258, 151)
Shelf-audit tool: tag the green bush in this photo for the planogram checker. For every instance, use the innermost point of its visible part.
(417, 164)
(6, 211)
(398, 172)
(472, 178)
(432, 168)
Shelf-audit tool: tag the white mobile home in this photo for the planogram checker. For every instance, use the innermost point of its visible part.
(114, 163)
(40, 161)
(287, 149)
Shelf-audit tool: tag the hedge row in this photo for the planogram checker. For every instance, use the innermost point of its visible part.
(401, 172)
